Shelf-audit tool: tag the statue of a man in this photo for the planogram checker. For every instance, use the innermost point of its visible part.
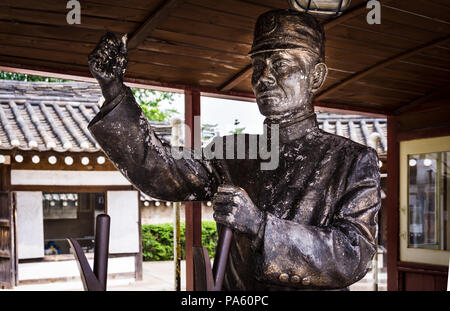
(310, 223)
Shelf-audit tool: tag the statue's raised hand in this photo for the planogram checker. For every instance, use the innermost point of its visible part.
(107, 63)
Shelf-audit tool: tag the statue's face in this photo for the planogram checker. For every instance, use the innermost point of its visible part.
(282, 81)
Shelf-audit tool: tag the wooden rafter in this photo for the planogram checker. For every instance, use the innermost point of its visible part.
(380, 65)
(130, 81)
(344, 108)
(242, 75)
(358, 10)
(152, 22)
(421, 100)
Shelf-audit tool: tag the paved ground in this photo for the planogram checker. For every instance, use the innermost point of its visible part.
(159, 276)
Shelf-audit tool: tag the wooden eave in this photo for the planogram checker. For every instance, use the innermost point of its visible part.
(202, 45)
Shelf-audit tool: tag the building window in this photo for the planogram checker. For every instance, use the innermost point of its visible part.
(425, 200)
(70, 215)
(428, 189)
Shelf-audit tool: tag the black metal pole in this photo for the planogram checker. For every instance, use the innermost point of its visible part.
(101, 249)
(225, 235)
(224, 247)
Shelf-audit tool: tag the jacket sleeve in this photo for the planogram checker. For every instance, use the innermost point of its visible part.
(330, 257)
(125, 135)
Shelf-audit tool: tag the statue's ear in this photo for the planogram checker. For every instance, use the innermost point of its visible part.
(319, 76)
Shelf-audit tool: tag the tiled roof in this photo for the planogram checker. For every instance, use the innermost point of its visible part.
(47, 116)
(355, 127)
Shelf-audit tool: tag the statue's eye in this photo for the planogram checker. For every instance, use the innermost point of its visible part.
(281, 64)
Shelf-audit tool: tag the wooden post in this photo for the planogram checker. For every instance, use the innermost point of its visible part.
(175, 142)
(8, 246)
(193, 212)
(392, 201)
(138, 259)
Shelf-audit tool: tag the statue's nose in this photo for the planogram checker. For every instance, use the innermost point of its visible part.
(267, 77)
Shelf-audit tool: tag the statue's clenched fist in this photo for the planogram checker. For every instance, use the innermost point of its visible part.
(234, 209)
(108, 62)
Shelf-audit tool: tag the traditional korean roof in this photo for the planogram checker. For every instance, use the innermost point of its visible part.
(360, 129)
(46, 116)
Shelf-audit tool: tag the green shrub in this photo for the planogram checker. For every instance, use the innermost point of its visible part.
(157, 240)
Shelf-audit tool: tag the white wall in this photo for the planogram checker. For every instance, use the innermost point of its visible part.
(30, 224)
(68, 268)
(122, 207)
(67, 178)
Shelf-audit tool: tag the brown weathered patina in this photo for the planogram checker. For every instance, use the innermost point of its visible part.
(310, 223)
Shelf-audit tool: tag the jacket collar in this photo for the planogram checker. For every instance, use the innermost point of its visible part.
(294, 127)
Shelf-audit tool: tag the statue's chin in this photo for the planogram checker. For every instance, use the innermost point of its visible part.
(274, 107)
(269, 106)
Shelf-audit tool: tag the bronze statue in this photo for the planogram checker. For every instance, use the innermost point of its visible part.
(310, 223)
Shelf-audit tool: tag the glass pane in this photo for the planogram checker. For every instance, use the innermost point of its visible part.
(428, 200)
(70, 215)
(60, 205)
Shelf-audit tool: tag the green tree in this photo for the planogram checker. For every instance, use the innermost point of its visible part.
(208, 131)
(24, 77)
(150, 102)
(237, 130)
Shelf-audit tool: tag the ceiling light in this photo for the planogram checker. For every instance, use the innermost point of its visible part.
(320, 7)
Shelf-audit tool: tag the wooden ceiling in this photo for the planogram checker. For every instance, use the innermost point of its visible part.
(203, 44)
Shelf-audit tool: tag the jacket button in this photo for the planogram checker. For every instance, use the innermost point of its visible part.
(295, 279)
(306, 281)
(283, 277)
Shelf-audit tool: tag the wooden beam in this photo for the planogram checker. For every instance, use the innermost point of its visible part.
(138, 268)
(152, 22)
(357, 10)
(85, 76)
(380, 65)
(427, 132)
(241, 76)
(420, 100)
(392, 201)
(344, 108)
(72, 188)
(5, 177)
(193, 210)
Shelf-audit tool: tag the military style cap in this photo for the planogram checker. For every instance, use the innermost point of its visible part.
(278, 30)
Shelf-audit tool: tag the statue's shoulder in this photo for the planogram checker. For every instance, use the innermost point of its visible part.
(344, 143)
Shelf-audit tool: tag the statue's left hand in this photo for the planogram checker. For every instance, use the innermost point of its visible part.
(234, 209)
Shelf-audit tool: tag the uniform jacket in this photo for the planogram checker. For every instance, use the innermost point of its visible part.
(320, 202)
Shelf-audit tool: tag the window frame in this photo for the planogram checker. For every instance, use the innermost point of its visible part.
(413, 147)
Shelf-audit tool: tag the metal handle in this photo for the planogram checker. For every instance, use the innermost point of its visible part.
(222, 258)
(101, 249)
(225, 236)
(94, 281)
